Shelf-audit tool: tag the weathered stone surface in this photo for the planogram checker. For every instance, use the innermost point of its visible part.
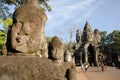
(97, 37)
(88, 50)
(56, 55)
(78, 36)
(56, 49)
(34, 68)
(87, 33)
(67, 56)
(26, 35)
(4, 50)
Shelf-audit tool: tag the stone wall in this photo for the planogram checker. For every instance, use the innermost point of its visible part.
(34, 68)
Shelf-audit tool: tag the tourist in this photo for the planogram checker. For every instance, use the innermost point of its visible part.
(113, 64)
(105, 65)
(102, 67)
(86, 67)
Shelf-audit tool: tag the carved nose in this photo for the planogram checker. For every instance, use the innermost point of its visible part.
(18, 39)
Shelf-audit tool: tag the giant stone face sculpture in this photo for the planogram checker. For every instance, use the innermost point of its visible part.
(87, 33)
(27, 31)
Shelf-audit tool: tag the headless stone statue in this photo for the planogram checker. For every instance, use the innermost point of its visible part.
(26, 35)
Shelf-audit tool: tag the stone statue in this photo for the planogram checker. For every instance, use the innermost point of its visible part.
(67, 70)
(56, 50)
(67, 56)
(87, 33)
(89, 50)
(97, 37)
(26, 35)
(78, 36)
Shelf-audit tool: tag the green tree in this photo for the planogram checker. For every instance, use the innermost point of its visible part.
(4, 10)
(5, 7)
(17, 3)
(48, 39)
(103, 37)
(2, 38)
(7, 22)
(3, 34)
(114, 40)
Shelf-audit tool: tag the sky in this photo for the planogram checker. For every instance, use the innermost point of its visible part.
(72, 15)
(101, 14)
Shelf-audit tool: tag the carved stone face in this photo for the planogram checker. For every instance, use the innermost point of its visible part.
(27, 33)
(78, 35)
(96, 31)
(56, 49)
(87, 33)
(97, 37)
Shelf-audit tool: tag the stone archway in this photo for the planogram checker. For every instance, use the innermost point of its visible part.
(91, 55)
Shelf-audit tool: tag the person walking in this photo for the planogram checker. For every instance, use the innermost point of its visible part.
(86, 67)
(102, 67)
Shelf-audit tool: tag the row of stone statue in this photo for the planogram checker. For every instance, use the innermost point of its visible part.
(25, 37)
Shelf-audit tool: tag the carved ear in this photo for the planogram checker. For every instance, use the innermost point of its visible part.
(44, 17)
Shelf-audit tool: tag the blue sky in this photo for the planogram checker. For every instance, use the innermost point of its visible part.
(101, 14)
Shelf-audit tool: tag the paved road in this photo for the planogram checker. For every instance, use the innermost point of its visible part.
(96, 74)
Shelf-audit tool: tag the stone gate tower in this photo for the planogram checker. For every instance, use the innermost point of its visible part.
(87, 48)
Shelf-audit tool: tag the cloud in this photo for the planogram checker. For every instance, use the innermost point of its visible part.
(68, 12)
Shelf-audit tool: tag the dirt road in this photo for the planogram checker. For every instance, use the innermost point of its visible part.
(96, 74)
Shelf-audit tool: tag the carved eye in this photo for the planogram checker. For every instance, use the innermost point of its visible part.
(26, 34)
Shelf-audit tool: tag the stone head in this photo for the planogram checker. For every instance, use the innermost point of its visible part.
(27, 32)
(97, 37)
(78, 35)
(96, 31)
(87, 33)
(56, 49)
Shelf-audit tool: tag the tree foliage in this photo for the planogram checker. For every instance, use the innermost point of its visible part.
(48, 39)
(2, 38)
(4, 10)
(103, 37)
(111, 40)
(5, 6)
(3, 33)
(17, 3)
(114, 39)
(6, 23)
